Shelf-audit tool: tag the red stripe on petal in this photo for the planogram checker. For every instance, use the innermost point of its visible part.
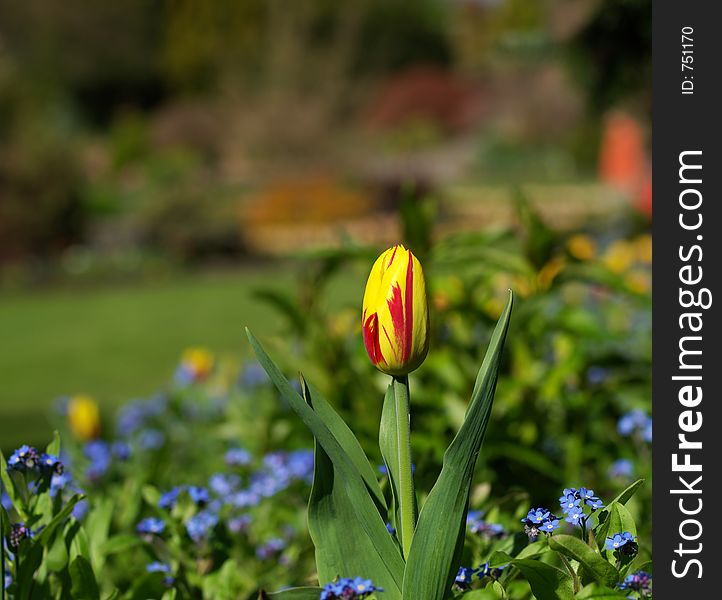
(371, 339)
(409, 309)
(393, 255)
(396, 310)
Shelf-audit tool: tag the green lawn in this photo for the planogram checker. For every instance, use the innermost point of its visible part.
(121, 342)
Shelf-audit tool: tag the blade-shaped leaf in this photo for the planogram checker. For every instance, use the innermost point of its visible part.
(342, 546)
(592, 561)
(621, 498)
(389, 444)
(84, 585)
(47, 533)
(337, 426)
(366, 511)
(438, 539)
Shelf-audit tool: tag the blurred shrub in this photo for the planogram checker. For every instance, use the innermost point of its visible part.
(41, 211)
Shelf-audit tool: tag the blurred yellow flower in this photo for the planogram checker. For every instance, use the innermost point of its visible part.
(582, 247)
(83, 417)
(549, 271)
(620, 256)
(197, 363)
(639, 282)
(643, 247)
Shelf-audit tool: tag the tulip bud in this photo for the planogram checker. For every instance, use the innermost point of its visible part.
(395, 313)
(84, 417)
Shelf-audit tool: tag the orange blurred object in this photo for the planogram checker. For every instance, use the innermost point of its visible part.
(623, 159)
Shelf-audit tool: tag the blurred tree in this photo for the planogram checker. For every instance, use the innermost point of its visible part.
(611, 55)
(100, 55)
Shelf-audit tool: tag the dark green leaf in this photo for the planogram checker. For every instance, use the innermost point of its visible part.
(57, 557)
(26, 576)
(391, 565)
(439, 537)
(499, 559)
(46, 534)
(547, 582)
(592, 561)
(84, 585)
(345, 437)
(618, 521)
(622, 498)
(389, 445)
(594, 591)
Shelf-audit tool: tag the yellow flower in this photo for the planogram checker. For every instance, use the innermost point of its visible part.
(639, 282)
(84, 417)
(619, 256)
(395, 313)
(643, 246)
(582, 247)
(197, 363)
(549, 271)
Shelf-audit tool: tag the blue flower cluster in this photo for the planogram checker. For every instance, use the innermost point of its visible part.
(135, 415)
(151, 526)
(635, 422)
(623, 541)
(159, 567)
(539, 520)
(639, 581)
(270, 549)
(100, 455)
(622, 468)
(349, 589)
(478, 526)
(27, 459)
(465, 576)
(573, 501)
(200, 525)
(199, 495)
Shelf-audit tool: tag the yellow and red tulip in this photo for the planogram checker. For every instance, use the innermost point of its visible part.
(395, 313)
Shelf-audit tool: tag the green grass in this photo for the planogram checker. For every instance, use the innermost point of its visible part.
(121, 342)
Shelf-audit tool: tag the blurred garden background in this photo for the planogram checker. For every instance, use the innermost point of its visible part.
(173, 171)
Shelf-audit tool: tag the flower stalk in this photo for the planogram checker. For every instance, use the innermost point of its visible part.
(407, 499)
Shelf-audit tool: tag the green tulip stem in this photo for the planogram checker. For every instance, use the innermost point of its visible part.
(407, 504)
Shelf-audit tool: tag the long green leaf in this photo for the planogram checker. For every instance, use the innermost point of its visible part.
(84, 585)
(342, 546)
(389, 444)
(438, 539)
(46, 534)
(592, 561)
(621, 498)
(337, 426)
(366, 511)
